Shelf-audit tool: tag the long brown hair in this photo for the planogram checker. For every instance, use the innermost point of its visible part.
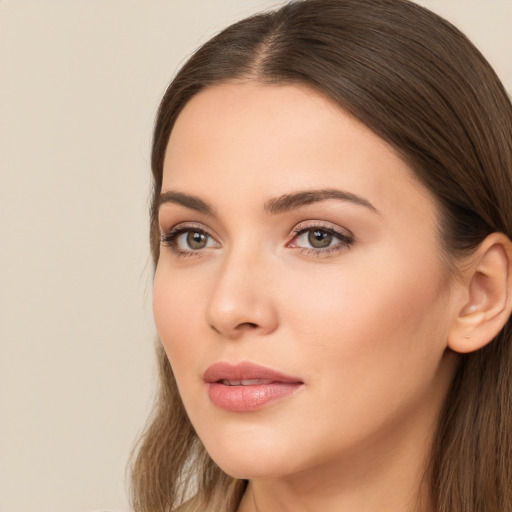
(417, 82)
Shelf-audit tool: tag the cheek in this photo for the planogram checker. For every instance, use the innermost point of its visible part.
(366, 342)
(368, 328)
(176, 307)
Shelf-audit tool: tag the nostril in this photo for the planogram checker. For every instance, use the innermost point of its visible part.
(248, 325)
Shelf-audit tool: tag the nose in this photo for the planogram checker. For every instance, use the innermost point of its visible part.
(242, 300)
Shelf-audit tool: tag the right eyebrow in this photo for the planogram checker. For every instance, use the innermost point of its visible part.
(186, 200)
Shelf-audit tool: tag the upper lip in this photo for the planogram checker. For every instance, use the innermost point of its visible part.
(222, 371)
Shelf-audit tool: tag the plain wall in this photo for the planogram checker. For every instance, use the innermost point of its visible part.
(80, 82)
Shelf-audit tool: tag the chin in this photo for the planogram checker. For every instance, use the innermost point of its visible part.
(252, 456)
(250, 467)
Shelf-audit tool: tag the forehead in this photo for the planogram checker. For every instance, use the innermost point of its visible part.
(259, 140)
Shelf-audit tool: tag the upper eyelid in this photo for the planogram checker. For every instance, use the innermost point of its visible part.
(174, 232)
(169, 237)
(297, 229)
(322, 225)
(185, 226)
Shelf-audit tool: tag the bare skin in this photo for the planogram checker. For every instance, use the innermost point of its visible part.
(346, 292)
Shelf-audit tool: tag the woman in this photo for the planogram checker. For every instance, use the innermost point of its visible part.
(330, 228)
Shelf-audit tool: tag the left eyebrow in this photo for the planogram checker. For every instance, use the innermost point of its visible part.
(288, 202)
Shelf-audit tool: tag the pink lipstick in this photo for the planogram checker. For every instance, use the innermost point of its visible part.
(247, 387)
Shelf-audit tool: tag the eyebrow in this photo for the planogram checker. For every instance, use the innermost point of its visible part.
(288, 202)
(276, 205)
(186, 200)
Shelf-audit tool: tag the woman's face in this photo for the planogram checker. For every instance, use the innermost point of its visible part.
(299, 293)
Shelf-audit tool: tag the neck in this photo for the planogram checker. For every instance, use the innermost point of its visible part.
(340, 491)
(386, 476)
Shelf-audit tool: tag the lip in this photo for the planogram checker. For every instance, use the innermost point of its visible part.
(246, 386)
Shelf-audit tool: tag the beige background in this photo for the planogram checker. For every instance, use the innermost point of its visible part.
(80, 81)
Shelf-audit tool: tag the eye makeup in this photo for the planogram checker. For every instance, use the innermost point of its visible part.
(314, 238)
(311, 238)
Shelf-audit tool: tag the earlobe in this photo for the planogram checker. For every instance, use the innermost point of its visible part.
(488, 303)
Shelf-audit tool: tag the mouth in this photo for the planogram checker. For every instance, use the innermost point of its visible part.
(245, 382)
(247, 387)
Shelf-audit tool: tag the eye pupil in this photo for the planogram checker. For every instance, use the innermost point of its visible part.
(196, 240)
(319, 238)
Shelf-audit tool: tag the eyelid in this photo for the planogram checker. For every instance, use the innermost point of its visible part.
(168, 237)
(309, 225)
(345, 237)
(183, 226)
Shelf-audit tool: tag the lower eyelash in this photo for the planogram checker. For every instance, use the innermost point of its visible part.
(345, 241)
(168, 239)
(309, 251)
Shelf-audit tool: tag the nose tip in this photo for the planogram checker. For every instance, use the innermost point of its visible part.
(245, 318)
(241, 302)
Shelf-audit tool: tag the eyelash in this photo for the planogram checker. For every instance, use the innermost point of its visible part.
(345, 241)
(169, 239)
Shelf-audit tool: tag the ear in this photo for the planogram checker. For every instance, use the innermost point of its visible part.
(487, 302)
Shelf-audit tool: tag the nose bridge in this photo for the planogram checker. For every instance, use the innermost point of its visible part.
(240, 299)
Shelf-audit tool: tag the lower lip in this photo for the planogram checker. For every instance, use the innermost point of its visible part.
(249, 398)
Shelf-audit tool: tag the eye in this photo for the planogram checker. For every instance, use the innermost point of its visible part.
(188, 240)
(319, 240)
(194, 240)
